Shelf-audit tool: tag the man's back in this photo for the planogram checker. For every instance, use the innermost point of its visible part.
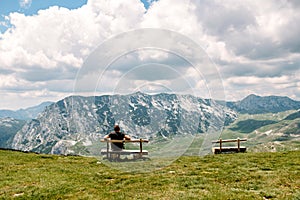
(117, 136)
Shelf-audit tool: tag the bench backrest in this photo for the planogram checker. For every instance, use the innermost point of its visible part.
(229, 140)
(120, 141)
(238, 140)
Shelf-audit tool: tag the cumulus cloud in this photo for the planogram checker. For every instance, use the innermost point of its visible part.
(254, 44)
(52, 44)
(245, 38)
(59, 36)
(251, 28)
(281, 86)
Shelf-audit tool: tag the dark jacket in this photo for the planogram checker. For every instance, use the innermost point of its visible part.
(117, 136)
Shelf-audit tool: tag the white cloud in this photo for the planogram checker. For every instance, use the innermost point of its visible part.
(23, 99)
(177, 16)
(13, 83)
(255, 44)
(253, 80)
(264, 86)
(53, 44)
(59, 36)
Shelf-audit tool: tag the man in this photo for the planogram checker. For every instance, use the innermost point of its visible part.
(117, 135)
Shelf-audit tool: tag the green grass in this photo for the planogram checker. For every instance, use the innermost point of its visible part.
(249, 125)
(266, 132)
(227, 176)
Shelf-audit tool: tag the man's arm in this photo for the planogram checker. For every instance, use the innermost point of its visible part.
(106, 137)
(127, 137)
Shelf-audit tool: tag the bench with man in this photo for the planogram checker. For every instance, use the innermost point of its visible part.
(115, 146)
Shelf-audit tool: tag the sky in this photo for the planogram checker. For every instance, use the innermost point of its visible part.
(47, 48)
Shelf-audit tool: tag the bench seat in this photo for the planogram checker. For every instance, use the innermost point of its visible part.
(112, 154)
(124, 152)
(232, 149)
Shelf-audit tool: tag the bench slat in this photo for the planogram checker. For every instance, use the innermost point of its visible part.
(230, 140)
(217, 150)
(221, 148)
(124, 152)
(120, 141)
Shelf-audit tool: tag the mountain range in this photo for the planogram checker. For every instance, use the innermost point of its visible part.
(254, 104)
(25, 114)
(82, 121)
(75, 124)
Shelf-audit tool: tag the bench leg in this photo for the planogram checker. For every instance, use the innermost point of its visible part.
(114, 157)
(137, 156)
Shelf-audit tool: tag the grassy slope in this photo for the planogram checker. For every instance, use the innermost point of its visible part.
(231, 176)
(255, 122)
(262, 131)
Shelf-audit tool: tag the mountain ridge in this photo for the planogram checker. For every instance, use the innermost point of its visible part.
(58, 128)
(25, 113)
(77, 119)
(254, 104)
(240, 106)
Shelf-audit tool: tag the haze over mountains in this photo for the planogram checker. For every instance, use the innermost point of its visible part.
(75, 123)
(25, 114)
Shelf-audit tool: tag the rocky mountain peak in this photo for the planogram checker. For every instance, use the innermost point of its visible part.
(82, 121)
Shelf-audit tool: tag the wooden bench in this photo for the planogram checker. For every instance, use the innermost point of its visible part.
(138, 153)
(229, 149)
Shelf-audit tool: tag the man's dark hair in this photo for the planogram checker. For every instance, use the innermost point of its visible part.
(117, 128)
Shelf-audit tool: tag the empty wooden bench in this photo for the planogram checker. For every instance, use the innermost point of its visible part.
(229, 149)
(137, 153)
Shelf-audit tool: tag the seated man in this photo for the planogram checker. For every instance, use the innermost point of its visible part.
(117, 135)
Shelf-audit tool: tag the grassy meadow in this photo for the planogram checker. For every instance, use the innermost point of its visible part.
(224, 176)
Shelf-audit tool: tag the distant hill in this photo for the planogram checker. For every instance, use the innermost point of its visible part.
(254, 104)
(267, 132)
(293, 116)
(25, 114)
